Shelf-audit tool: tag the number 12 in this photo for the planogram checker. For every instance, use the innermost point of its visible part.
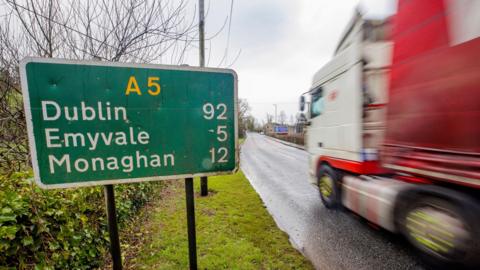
(222, 153)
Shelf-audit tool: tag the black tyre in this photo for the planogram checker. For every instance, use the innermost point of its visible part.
(328, 181)
(444, 230)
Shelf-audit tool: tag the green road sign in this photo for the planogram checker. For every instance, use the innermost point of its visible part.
(97, 123)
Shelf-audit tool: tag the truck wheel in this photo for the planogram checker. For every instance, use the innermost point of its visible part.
(328, 185)
(444, 232)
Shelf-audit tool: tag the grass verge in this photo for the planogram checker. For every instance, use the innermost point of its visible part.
(241, 140)
(234, 231)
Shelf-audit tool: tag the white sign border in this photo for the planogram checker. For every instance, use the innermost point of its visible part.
(31, 138)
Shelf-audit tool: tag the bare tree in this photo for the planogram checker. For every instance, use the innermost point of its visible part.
(250, 123)
(243, 116)
(269, 118)
(122, 30)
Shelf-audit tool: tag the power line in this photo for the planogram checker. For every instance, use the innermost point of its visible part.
(225, 55)
(229, 27)
(235, 59)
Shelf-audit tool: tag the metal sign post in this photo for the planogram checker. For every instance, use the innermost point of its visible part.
(192, 239)
(113, 227)
(203, 186)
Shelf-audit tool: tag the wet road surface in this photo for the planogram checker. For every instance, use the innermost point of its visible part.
(330, 239)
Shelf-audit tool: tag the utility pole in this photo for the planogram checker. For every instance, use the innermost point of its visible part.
(275, 105)
(201, 30)
(201, 34)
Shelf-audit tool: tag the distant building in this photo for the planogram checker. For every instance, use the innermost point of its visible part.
(291, 133)
(275, 129)
(269, 129)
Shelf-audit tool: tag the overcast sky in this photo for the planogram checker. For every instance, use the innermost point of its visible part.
(281, 44)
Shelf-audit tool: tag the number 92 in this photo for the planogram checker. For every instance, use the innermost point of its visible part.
(209, 111)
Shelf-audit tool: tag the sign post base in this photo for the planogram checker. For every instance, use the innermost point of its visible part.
(204, 186)
(192, 240)
(113, 227)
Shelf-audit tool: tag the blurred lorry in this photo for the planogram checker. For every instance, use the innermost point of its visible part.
(393, 126)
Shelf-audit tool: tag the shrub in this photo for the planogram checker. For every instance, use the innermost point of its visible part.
(59, 229)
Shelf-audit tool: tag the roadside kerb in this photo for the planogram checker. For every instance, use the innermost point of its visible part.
(301, 147)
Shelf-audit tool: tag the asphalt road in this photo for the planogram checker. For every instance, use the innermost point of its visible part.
(330, 239)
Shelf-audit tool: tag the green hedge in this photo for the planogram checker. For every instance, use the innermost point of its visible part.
(59, 229)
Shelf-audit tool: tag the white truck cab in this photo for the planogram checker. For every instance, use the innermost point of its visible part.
(347, 100)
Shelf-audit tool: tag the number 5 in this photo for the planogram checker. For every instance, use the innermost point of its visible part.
(222, 133)
(153, 81)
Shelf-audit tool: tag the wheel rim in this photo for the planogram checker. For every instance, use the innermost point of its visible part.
(326, 186)
(436, 230)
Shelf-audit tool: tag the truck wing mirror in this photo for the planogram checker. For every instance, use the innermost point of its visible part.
(302, 118)
(302, 103)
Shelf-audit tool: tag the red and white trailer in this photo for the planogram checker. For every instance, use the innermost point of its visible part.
(394, 126)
